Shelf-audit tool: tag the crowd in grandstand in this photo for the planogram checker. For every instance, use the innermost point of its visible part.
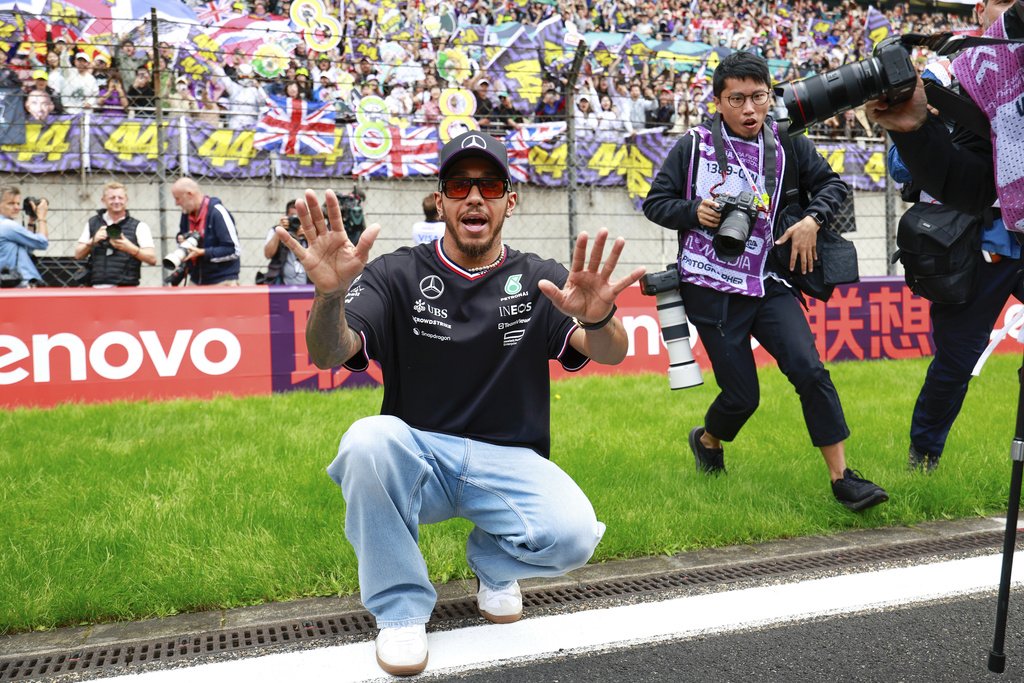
(114, 75)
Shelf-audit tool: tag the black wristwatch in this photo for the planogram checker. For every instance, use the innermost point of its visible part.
(818, 217)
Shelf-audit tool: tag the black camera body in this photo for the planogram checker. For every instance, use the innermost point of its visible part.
(114, 231)
(663, 281)
(29, 204)
(738, 215)
(176, 259)
(888, 75)
(293, 225)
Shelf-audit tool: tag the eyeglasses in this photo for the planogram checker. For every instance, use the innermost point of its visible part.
(737, 100)
(490, 188)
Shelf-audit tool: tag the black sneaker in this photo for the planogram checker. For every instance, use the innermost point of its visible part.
(857, 493)
(709, 460)
(917, 461)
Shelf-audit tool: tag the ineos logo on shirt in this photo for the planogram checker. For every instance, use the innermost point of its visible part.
(431, 287)
(474, 141)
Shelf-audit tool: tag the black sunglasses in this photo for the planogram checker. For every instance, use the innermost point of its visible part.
(490, 188)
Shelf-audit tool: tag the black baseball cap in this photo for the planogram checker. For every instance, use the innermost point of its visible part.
(473, 143)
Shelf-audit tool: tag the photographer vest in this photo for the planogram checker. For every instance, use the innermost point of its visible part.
(994, 78)
(698, 262)
(111, 266)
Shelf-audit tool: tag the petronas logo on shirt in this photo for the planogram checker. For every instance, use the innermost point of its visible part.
(512, 285)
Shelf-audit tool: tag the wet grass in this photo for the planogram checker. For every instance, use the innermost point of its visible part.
(126, 511)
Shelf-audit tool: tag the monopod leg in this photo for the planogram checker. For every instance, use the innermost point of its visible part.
(996, 657)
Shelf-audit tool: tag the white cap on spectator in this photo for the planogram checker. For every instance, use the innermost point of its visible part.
(244, 70)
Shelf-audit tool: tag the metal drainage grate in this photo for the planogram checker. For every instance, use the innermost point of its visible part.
(100, 660)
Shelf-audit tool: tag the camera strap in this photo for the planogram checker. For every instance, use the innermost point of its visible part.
(945, 44)
(770, 154)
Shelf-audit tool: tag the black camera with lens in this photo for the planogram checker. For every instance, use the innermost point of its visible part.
(888, 75)
(738, 215)
(683, 370)
(293, 225)
(114, 231)
(29, 204)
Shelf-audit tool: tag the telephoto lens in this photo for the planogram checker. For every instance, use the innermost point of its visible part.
(683, 371)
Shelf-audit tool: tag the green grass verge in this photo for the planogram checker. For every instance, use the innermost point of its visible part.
(126, 511)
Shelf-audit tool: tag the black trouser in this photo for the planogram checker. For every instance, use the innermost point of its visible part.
(726, 322)
(961, 333)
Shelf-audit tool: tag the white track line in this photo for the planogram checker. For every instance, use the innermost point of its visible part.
(482, 646)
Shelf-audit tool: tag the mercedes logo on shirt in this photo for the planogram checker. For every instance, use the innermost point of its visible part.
(474, 141)
(431, 287)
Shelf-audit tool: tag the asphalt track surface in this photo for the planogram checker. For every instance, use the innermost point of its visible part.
(929, 620)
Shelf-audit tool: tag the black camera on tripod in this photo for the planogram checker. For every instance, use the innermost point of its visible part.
(738, 215)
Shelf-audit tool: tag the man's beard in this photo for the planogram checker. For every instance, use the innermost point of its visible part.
(475, 250)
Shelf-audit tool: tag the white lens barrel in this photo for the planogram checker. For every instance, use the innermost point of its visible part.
(683, 371)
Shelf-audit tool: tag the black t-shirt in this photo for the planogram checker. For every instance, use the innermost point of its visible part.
(464, 354)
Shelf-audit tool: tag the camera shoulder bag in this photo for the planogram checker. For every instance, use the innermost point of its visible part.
(837, 257)
(938, 248)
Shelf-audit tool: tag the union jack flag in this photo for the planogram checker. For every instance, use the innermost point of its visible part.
(213, 13)
(412, 151)
(520, 142)
(294, 126)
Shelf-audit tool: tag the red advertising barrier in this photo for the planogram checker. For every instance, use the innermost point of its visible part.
(65, 345)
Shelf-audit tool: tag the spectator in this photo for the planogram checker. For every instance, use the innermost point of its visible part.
(410, 451)
(79, 90)
(112, 99)
(128, 60)
(431, 110)
(586, 118)
(550, 108)
(663, 114)
(115, 243)
(484, 113)
(284, 267)
(245, 98)
(141, 97)
(611, 124)
(181, 102)
(636, 107)
(16, 241)
(506, 115)
(217, 260)
(40, 83)
(430, 228)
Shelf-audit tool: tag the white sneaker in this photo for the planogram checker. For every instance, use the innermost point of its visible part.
(499, 606)
(402, 651)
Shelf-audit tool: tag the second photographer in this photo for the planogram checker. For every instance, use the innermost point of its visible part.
(115, 243)
(284, 267)
(733, 296)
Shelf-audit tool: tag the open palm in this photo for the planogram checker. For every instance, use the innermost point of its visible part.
(329, 258)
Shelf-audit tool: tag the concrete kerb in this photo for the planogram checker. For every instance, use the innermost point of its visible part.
(72, 638)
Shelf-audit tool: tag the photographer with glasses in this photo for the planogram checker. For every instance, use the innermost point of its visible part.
(731, 298)
(463, 329)
(18, 242)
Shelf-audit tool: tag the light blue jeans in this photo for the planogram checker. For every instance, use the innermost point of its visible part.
(531, 518)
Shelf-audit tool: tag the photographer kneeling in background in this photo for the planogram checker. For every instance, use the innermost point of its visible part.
(17, 242)
(284, 267)
(115, 243)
